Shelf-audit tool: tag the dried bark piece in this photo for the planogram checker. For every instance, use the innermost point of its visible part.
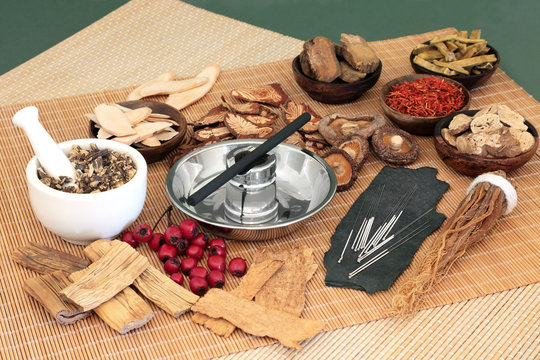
(113, 120)
(260, 120)
(356, 146)
(271, 94)
(209, 133)
(247, 108)
(395, 146)
(213, 116)
(154, 285)
(105, 278)
(459, 124)
(44, 260)
(136, 116)
(319, 61)
(344, 167)
(294, 110)
(348, 74)
(239, 126)
(186, 98)
(357, 52)
(335, 126)
(136, 93)
(171, 86)
(46, 290)
(250, 284)
(285, 291)
(257, 320)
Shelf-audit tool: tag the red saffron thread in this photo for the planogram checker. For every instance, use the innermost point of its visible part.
(426, 97)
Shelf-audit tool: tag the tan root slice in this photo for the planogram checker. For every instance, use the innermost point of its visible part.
(102, 134)
(113, 120)
(296, 139)
(147, 129)
(285, 291)
(257, 320)
(208, 134)
(238, 125)
(46, 290)
(172, 87)
(186, 98)
(152, 141)
(152, 118)
(166, 134)
(105, 278)
(128, 140)
(153, 284)
(251, 283)
(271, 94)
(44, 260)
(260, 120)
(294, 110)
(136, 93)
(474, 217)
(136, 116)
(251, 108)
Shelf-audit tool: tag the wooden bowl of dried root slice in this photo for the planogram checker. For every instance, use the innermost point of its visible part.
(153, 128)
(496, 137)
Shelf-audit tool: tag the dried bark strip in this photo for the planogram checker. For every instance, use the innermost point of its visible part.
(271, 94)
(154, 285)
(251, 283)
(44, 260)
(106, 277)
(46, 290)
(257, 320)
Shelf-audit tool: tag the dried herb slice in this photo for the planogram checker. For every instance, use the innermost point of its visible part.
(271, 94)
(294, 110)
(213, 116)
(211, 133)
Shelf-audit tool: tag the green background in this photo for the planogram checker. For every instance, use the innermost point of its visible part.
(28, 27)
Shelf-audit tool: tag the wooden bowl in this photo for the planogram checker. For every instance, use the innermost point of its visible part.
(416, 124)
(473, 165)
(157, 153)
(469, 81)
(336, 92)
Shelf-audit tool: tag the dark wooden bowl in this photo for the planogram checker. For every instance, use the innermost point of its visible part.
(336, 92)
(473, 165)
(469, 81)
(157, 153)
(415, 124)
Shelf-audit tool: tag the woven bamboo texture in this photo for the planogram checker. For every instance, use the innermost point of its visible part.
(504, 324)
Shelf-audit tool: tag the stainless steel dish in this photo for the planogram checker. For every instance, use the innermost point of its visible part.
(304, 184)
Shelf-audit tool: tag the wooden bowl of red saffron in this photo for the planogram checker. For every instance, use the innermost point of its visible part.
(415, 103)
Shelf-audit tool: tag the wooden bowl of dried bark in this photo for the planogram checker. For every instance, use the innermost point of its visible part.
(473, 165)
(160, 112)
(337, 91)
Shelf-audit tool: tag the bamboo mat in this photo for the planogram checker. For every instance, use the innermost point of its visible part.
(506, 259)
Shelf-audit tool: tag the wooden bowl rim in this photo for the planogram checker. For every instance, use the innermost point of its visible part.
(459, 76)
(404, 117)
(296, 69)
(440, 141)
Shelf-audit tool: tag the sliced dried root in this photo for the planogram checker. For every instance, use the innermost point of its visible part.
(271, 94)
(183, 99)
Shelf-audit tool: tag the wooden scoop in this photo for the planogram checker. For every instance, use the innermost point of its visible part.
(51, 158)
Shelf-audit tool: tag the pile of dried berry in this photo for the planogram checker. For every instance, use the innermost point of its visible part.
(95, 171)
(186, 239)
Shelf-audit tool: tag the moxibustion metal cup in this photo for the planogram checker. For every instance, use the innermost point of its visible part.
(251, 196)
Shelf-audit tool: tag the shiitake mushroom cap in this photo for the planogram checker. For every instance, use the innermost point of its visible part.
(356, 146)
(344, 167)
(407, 154)
(334, 126)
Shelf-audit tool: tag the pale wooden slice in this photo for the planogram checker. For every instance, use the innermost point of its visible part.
(151, 118)
(113, 120)
(103, 134)
(135, 116)
(136, 93)
(186, 98)
(166, 135)
(152, 141)
(172, 87)
(128, 140)
(146, 129)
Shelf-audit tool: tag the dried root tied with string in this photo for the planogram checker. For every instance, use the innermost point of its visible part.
(489, 197)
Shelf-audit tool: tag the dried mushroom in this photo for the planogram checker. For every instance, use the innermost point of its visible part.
(495, 131)
(271, 94)
(294, 110)
(344, 167)
(395, 146)
(335, 126)
(356, 146)
(319, 61)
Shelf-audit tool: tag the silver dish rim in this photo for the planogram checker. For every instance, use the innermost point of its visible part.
(187, 211)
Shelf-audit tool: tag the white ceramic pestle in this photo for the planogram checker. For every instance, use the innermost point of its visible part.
(51, 158)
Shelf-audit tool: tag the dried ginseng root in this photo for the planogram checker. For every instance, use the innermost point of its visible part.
(490, 196)
(45, 260)
(46, 290)
(257, 320)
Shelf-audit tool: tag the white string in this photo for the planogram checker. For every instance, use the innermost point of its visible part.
(509, 191)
